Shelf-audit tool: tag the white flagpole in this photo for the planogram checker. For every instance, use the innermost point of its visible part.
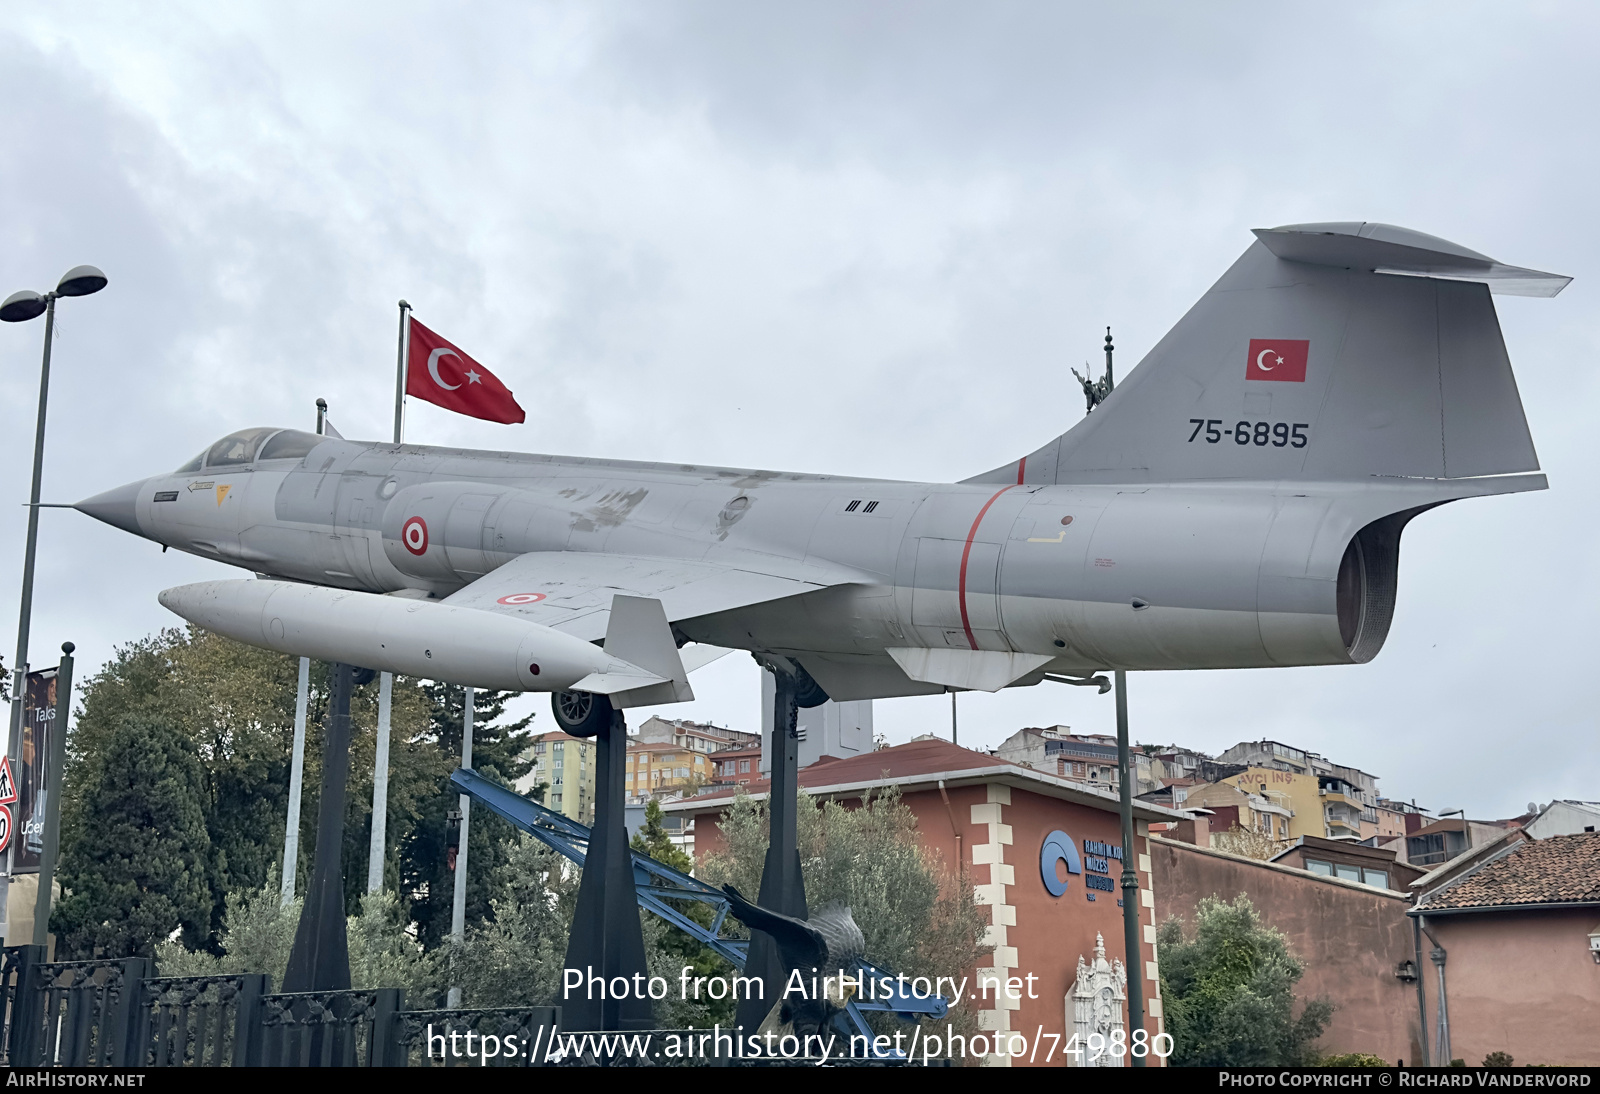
(458, 904)
(380, 761)
(380, 786)
(297, 767)
(401, 361)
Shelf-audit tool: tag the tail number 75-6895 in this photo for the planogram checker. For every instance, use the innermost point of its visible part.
(1260, 434)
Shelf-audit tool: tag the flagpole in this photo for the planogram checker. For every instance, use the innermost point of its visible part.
(380, 760)
(400, 377)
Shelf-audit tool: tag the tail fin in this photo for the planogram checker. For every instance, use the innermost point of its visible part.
(1328, 352)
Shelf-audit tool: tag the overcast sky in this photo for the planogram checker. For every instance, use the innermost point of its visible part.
(858, 238)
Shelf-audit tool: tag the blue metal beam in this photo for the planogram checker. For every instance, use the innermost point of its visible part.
(655, 883)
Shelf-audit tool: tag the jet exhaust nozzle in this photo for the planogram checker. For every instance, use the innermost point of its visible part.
(462, 646)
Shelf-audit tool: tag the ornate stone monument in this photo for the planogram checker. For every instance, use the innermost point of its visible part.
(1096, 1004)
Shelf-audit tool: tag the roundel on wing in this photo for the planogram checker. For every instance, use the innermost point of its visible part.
(414, 534)
(1057, 847)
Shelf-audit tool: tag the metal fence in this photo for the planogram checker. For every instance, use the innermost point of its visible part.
(114, 1014)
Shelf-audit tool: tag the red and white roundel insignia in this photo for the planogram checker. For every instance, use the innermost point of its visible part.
(414, 534)
(521, 598)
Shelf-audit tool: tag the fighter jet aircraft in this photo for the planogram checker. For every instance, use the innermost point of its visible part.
(1236, 502)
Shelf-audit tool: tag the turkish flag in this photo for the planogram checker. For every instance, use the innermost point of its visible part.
(1283, 359)
(444, 376)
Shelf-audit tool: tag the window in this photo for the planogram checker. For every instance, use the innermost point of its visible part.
(1347, 872)
(744, 767)
(290, 444)
(1323, 868)
(681, 772)
(236, 449)
(1380, 878)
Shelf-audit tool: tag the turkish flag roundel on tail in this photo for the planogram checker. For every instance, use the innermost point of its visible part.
(1277, 359)
(444, 376)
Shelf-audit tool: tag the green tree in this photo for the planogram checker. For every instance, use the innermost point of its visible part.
(654, 840)
(1229, 991)
(919, 917)
(497, 753)
(146, 873)
(515, 957)
(258, 932)
(235, 705)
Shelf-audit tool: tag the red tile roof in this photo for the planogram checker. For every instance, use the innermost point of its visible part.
(1557, 870)
(927, 758)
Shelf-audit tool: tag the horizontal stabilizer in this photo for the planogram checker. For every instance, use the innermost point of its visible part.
(970, 670)
(1387, 249)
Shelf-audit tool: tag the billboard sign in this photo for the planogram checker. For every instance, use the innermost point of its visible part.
(33, 750)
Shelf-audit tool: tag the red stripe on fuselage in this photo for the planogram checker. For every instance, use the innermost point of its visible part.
(1022, 469)
(966, 553)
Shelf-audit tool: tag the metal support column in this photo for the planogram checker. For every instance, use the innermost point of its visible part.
(1132, 951)
(320, 959)
(607, 940)
(783, 889)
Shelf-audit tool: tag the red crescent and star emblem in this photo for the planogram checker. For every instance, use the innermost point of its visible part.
(1284, 359)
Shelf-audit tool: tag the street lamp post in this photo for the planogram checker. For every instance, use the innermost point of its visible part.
(19, 307)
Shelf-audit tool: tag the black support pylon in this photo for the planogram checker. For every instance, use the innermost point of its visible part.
(607, 941)
(783, 889)
(320, 959)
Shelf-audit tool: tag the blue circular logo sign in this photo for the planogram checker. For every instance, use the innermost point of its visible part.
(1057, 848)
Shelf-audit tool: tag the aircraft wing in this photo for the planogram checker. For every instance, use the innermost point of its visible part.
(572, 591)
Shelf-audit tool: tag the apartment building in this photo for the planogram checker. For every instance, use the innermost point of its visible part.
(737, 766)
(1230, 806)
(1347, 797)
(693, 736)
(1081, 757)
(565, 766)
(661, 769)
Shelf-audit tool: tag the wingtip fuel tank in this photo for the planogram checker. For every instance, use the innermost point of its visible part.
(412, 637)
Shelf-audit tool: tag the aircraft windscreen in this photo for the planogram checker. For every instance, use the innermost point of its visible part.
(289, 444)
(236, 449)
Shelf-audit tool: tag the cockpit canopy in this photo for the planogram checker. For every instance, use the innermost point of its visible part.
(241, 449)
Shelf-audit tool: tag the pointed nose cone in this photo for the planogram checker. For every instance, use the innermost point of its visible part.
(118, 508)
